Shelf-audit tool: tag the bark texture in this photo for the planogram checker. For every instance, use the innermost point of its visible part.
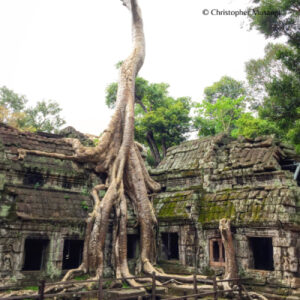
(231, 271)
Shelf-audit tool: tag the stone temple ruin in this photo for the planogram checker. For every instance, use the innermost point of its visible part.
(255, 183)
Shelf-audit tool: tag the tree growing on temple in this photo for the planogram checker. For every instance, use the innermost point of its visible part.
(119, 157)
(161, 121)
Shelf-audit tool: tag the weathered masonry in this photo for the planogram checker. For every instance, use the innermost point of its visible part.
(44, 202)
(249, 181)
(43, 205)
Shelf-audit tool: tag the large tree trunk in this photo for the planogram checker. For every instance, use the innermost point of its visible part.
(153, 147)
(120, 158)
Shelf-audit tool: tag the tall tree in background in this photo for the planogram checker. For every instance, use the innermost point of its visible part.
(12, 108)
(261, 72)
(226, 87)
(45, 116)
(221, 116)
(160, 120)
(224, 102)
(281, 104)
(229, 115)
(276, 18)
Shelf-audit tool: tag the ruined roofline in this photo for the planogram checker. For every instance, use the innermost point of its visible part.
(186, 155)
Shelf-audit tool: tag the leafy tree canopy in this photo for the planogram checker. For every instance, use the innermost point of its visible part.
(45, 116)
(275, 18)
(221, 116)
(226, 87)
(249, 126)
(261, 72)
(279, 76)
(229, 116)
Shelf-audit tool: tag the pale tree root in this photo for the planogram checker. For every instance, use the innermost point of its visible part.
(255, 295)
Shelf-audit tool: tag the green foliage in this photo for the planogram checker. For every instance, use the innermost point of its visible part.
(45, 116)
(251, 127)
(168, 120)
(277, 78)
(84, 205)
(208, 271)
(125, 285)
(12, 108)
(82, 277)
(85, 191)
(111, 95)
(36, 185)
(102, 193)
(160, 120)
(11, 100)
(293, 134)
(261, 72)
(226, 87)
(277, 18)
(283, 103)
(221, 116)
(31, 288)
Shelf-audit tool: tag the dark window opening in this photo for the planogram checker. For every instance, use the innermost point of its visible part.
(170, 245)
(262, 253)
(35, 254)
(132, 246)
(72, 255)
(292, 166)
(103, 176)
(66, 183)
(33, 177)
(239, 180)
(216, 252)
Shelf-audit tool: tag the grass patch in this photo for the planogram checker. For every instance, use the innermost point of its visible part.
(82, 277)
(31, 288)
(125, 285)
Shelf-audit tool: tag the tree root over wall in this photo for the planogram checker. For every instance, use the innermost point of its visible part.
(120, 158)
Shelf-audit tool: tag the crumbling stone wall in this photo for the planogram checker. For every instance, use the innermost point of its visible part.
(248, 181)
(40, 197)
(13, 237)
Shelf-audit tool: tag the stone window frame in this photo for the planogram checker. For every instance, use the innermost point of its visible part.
(251, 255)
(221, 262)
(46, 254)
(70, 238)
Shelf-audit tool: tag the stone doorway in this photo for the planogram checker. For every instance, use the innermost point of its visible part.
(72, 255)
(132, 246)
(170, 245)
(35, 253)
(261, 253)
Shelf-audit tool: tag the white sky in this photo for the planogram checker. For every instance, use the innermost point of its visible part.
(66, 50)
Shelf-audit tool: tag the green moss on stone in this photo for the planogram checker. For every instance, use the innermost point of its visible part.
(4, 210)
